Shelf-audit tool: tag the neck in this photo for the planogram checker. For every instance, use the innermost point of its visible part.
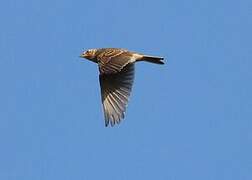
(93, 60)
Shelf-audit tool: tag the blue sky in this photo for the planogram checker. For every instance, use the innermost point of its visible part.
(188, 119)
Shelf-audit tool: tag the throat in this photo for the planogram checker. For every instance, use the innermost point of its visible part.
(93, 60)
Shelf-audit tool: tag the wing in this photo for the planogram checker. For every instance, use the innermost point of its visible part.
(113, 60)
(115, 92)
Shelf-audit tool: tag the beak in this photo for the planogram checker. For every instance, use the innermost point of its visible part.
(82, 56)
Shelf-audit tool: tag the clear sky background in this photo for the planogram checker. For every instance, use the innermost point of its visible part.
(189, 119)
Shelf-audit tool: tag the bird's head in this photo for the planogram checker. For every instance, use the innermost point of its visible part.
(89, 54)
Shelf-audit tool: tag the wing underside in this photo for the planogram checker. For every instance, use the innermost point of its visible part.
(115, 92)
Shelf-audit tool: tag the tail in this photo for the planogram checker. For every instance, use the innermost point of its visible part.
(153, 59)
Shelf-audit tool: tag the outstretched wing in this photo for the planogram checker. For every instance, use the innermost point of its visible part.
(115, 92)
(113, 60)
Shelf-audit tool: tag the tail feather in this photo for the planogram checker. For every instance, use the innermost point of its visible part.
(153, 59)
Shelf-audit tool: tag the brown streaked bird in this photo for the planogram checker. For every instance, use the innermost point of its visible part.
(116, 77)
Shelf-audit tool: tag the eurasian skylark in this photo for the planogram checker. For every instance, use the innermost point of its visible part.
(116, 77)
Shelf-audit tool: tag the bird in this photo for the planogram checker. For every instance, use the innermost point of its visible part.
(116, 68)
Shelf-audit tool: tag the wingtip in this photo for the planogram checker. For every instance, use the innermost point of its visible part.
(106, 123)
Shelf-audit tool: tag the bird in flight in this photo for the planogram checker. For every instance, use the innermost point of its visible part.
(116, 67)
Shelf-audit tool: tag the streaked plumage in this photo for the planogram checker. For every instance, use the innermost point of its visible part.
(116, 77)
